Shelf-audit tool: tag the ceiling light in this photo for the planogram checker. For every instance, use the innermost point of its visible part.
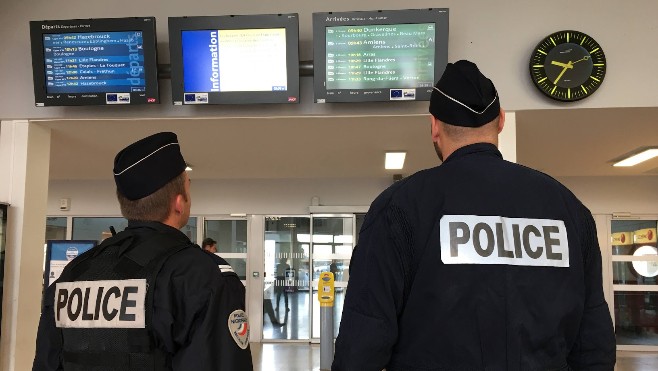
(394, 160)
(633, 160)
(188, 167)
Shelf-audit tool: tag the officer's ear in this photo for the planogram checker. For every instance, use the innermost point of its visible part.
(178, 206)
(501, 121)
(436, 137)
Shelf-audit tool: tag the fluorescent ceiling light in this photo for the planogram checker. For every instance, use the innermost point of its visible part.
(188, 167)
(637, 158)
(394, 160)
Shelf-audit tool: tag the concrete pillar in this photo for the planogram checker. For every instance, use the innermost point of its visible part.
(24, 169)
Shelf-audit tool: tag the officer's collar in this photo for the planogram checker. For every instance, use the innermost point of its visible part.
(156, 226)
(475, 148)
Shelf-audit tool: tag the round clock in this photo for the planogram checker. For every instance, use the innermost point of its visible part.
(567, 66)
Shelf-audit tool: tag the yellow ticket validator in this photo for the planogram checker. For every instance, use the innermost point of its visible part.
(326, 289)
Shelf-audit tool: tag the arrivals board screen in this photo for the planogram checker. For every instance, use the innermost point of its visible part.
(94, 61)
(380, 55)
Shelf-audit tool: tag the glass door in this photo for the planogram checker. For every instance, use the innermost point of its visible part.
(635, 283)
(332, 241)
(286, 299)
(231, 237)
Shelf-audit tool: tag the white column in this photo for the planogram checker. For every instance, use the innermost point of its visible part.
(507, 139)
(24, 169)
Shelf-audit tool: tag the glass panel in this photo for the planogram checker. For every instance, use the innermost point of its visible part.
(635, 272)
(98, 228)
(55, 228)
(333, 241)
(286, 280)
(231, 237)
(636, 319)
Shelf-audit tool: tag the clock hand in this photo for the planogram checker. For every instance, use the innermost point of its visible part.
(564, 69)
(582, 59)
(565, 65)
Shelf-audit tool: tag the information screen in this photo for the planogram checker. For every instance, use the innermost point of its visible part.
(380, 56)
(237, 60)
(94, 62)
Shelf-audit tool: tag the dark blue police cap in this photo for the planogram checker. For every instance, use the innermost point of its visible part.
(147, 165)
(464, 96)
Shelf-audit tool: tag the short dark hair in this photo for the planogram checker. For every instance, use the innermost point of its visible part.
(157, 205)
(207, 242)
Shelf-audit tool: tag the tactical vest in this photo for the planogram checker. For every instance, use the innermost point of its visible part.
(91, 341)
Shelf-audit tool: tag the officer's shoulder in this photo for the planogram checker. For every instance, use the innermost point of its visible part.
(543, 177)
(399, 192)
(195, 258)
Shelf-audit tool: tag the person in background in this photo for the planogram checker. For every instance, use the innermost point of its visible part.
(210, 245)
(477, 264)
(152, 299)
(280, 289)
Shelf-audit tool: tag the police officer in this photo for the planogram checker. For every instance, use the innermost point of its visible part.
(146, 298)
(477, 264)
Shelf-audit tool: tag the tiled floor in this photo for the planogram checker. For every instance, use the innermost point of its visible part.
(305, 357)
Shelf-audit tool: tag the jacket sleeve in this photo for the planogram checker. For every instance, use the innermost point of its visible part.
(595, 346)
(192, 310)
(49, 337)
(369, 328)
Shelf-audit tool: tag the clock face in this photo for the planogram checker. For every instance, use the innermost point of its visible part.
(567, 66)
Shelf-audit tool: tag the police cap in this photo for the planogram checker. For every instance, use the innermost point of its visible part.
(147, 165)
(464, 96)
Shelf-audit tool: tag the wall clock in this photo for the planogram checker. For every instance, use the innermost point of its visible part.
(567, 66)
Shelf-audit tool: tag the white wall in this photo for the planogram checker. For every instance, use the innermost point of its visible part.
(221, 197)
(608, 195)
(602, 195)
(498, 35)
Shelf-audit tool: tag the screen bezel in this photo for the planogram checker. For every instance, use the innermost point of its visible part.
(438, 16)
(49, 251)
(288, 21)
(146, 25)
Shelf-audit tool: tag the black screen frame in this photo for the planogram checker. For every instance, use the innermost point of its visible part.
(49, 251)
(438, 16)
(289, 21)
(146, 25)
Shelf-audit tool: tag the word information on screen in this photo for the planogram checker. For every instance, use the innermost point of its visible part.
(94, 62)
(234, 60)
(380, 56)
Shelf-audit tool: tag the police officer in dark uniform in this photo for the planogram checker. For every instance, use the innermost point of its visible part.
(477, 264)
(146, 298)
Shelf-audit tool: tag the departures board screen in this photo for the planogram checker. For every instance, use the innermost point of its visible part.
(101, 61)
(94, 62)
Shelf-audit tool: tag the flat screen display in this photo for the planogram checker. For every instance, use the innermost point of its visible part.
(235, 59)
(59, 253)
(378, 56)
(104, 61)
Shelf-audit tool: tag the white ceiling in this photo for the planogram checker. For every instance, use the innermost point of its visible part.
(575, 142)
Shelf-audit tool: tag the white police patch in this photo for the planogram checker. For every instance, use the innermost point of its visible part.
(238, 326)
(101, 304)
(474, 239)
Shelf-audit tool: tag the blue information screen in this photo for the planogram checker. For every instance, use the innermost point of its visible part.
(94, 62)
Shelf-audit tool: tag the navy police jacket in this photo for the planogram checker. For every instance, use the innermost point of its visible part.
(145, 299)
(477, 264)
